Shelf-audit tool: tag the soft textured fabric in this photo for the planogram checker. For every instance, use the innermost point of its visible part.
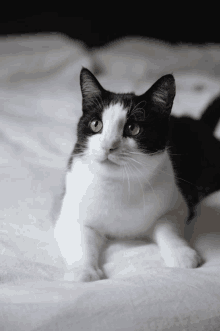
(40, 103)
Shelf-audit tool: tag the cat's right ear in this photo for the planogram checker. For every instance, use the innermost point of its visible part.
(161, 94)
(90, 86)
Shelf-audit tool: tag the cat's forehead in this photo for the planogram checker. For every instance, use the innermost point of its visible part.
(115, 113)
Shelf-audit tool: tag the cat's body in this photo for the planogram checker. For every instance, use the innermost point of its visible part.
(124, 204)
(194, 152)
(121, 182)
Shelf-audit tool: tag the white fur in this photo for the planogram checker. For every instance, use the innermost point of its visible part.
(111, 195)
(113, 120)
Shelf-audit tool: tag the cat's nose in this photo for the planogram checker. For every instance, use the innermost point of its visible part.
(114, 146)
(113, 149)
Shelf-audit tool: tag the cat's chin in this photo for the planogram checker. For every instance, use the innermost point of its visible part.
(106, 167)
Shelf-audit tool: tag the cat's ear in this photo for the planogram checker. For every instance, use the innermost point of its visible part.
(90, 86)
(162, 93)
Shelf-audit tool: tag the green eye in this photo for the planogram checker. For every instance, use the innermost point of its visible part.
(95, 125)
(132, 129)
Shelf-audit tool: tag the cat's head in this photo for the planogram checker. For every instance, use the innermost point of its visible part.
(116, 128)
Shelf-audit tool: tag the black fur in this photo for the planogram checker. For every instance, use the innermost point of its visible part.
(193, 149)
(195, 155)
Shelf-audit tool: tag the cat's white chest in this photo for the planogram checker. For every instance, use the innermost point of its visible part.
(116, 207)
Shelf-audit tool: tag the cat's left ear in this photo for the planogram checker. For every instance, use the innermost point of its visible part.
(162, 93)
(90, 86)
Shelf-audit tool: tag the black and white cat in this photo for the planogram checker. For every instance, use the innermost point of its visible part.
(134, 171)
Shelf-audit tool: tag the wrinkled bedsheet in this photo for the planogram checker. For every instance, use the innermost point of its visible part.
(40, 103)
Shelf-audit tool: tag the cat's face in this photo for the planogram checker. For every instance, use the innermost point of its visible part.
(119, 129)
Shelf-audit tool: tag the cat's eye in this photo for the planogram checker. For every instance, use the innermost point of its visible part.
(95, 125)
(132, 129)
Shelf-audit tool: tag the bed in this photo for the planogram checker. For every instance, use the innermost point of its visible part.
(40, 103)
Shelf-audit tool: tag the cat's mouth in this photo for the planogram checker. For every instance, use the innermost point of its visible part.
(107, 161)
(114, 160)
(110, 160)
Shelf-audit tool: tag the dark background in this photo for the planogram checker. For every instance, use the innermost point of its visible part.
(103, 22)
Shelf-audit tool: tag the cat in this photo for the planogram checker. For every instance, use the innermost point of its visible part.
(136, 170)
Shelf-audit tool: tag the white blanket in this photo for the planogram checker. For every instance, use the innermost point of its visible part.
(40, 103)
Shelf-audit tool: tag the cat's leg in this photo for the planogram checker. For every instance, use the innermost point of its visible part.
(92, 245)
(174, 249)
(87, 268)
(80, 245)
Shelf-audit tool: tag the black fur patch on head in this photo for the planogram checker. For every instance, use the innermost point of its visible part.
(151, 111)
(154, 125)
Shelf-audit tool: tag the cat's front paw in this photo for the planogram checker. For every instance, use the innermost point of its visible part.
(182, 257)
(86, 274)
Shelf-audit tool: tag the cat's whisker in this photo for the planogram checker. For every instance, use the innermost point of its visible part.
(148, 183)
(147, 165)
(168, 148)
(173, 175)
(128, 182)
(135, 160)
(80, 154)
(128, 153)
(123, 172)
(122, 167)
(139, 103)
(130, 107)
(155, 153)
(176, 154)
(80, 145)
(144, 153)
(141, 187)
(150, 154)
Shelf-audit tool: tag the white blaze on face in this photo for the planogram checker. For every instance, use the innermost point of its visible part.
(113, 120)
